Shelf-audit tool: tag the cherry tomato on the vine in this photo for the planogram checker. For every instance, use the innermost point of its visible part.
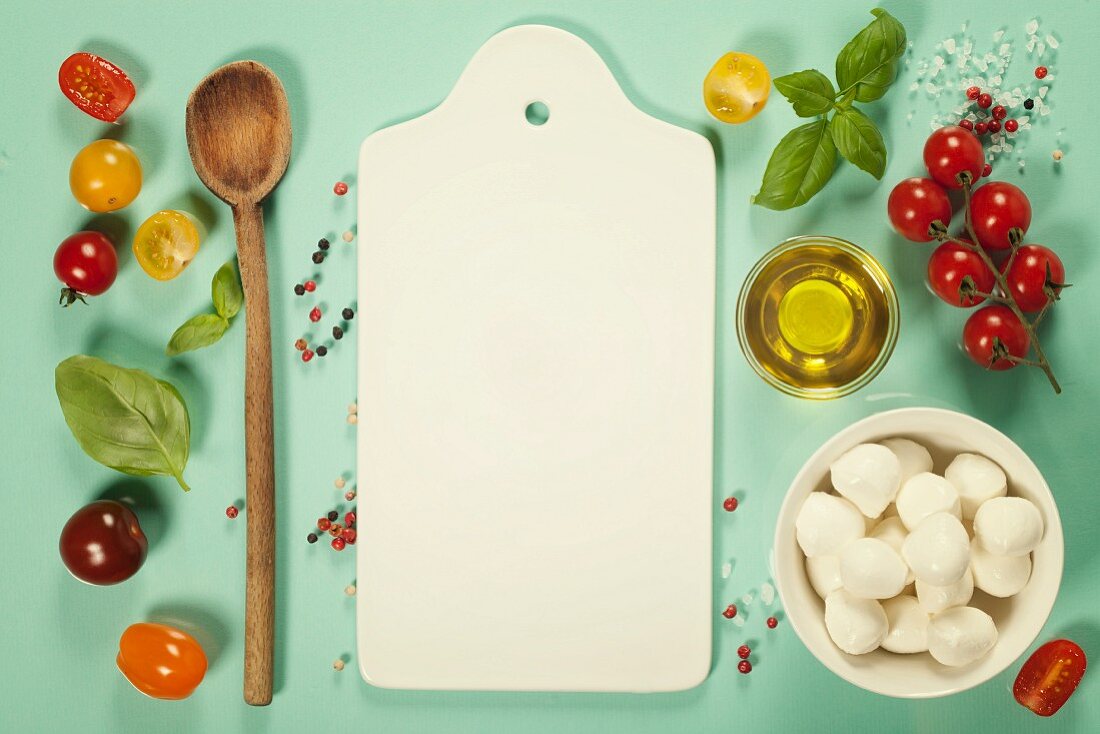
(949, 267)
(1001, 215)
(161, 661)
(86, 263)
(1035, 276)
(914, 205)
(992, 329)
(1050, 676)
(105, 175)
(951, 154)
(96, 86)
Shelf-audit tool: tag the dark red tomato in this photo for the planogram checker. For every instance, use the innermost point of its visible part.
(948, 270)
(914, 205)
(86, 263)
(952, 154)
(102, 543)
(1036, 275)
(1001, 214)
(995, 329)
(1050, 676)
(96, 86)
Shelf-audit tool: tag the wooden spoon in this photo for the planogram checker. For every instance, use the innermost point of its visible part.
(238, 133)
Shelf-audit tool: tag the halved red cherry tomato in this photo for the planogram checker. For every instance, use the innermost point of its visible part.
(161, 661)
(1050, 676)
(96, 86)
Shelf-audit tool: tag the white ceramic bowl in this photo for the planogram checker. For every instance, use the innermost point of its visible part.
(1019, 618)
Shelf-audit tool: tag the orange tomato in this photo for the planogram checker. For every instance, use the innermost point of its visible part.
(105, 175)
(737, 87)
(161, 661)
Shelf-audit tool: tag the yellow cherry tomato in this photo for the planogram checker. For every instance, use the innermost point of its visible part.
(166, 242)
(105, 175)
(737, 87)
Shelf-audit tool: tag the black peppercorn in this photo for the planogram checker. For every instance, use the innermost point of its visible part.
(332, 515)
(337, 332)
(312, 537)
(318, 257)
(1029, 103)
(322, 243)
(299, 290)
(348, 314)
(322, 350)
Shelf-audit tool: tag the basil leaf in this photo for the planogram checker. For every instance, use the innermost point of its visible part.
(124, 418)
(810, 92)
(196, 333)
(859, 141)
(868, 62)
(800, 165)
(225, 290)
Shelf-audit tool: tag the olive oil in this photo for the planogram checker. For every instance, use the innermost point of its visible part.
(816, 316)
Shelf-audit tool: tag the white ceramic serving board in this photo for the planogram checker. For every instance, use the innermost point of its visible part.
(536, 330)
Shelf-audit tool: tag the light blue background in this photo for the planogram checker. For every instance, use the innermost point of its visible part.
(349, 69)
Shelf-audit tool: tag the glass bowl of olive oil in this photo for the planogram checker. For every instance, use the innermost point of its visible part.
(817, 317)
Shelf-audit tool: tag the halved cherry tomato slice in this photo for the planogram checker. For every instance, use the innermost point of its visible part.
(161, 661)
(1050, 676)
(96, 86)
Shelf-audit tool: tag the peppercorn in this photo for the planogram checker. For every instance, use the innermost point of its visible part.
(332, 515)
(730, 611)
(323, 523)
(994, 126)
(311, 538)
(349, 518)
(348, 314)
(744, 667)
(307, 355)
(299, 290)
(1029, 104)
(323, 243)
(349, 495)
(311, 285)
(340, 188)
(300, 345)
(973, 92)
(1040, 72)
(349, 536)
(231, 512)
(322, 350)
(981, 128)
(315, 314)
(318, 257)
(999, 112)
(966, 125)
(337, 332)
(338, 544)
(985, 100)
(1011, 126)
(772, 623)
(743, 652)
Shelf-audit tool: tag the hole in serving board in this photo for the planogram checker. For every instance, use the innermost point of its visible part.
(537, 113)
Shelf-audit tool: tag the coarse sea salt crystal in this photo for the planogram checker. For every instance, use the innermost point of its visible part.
(727, 569)
(747, 598)
(994, 148)
(1045, 111)
(1040, 48)
(995, 82)
(767, 593)
(1031, 44)
(1032, 26)
(936, 125)
(981, 64)
(738, 621)
(931, 88)
(1052, 41)
(998, 35)
(914, 86)
(1043, 92)
(949, 45)
(1006, 50)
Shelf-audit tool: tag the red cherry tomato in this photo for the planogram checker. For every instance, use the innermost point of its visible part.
(948, 269)
(991, 329)
(161, 661)
(1050, 676)
(102, 543)
(998, 208)
(914, 205)
(86, 263)
(96, 86)
(952, 152)
(1035, 276)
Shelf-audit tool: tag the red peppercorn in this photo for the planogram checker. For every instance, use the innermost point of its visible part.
(1011, 126)
(307, 355)
(743, 652)
(966, 125)
(999, 112)
(338, 544)
(337, 530)
(340, 188)
(984, 100)
(772, 623)
(973, 92)
(730, 612)
(349, 519)
(744, 667)
(231, 512)
(349, 495)
(315, 314)
(994, 126)
(300, 345)
(730, 504)
(310, 285)
(323, 523)
(988, 169)
(980, 128)
(349, 536)
(1040, 72)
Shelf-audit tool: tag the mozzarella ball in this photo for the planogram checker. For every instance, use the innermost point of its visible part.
(1008, 526)
(826, 524)
(892, 532)
(913, 457)
(938, 550)
(856, 625)
(1000, 576)
(961, 635)
(824, 574)
(926, 494)
(907, 630)
(869, 475)
(934, 599)
(871, 569)
(977, 479)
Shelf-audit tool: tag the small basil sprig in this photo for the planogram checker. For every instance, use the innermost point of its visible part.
(804, 160)
(205, 329)
(124, 418)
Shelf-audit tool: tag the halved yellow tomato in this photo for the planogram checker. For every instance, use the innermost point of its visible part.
(166, 242)
(737, 87)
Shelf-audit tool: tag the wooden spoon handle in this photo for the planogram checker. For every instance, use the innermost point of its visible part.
(259, 619)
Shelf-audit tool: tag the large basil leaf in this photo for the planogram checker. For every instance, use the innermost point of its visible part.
(800, 165)
(859, 141)
(225, 290)
(868, 63)
(810, 92)
(196, 333)
(124, 418)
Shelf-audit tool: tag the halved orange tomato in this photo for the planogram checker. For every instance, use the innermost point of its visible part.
(166, 242)
(96, 86)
